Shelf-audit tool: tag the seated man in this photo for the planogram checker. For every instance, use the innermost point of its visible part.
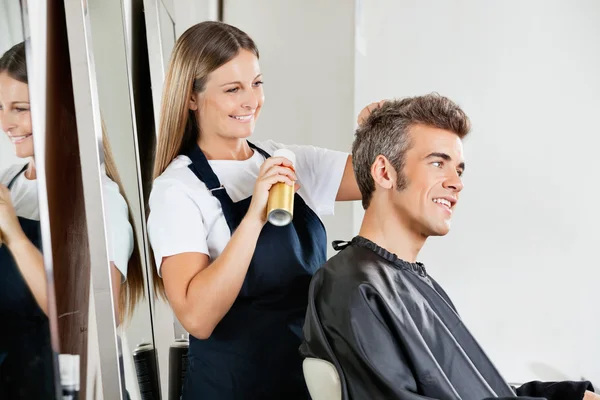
(389, 329)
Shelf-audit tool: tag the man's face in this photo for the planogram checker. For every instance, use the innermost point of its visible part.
(433, 168)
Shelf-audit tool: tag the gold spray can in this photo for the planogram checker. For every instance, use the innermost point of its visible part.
(280, 207)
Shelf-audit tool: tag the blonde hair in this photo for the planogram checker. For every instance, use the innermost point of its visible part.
(132, 290)
(199, 51)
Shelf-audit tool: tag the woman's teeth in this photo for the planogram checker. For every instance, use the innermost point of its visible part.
(18, 139)
(241, 117)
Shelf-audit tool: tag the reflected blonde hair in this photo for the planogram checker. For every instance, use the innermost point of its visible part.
(132, 291)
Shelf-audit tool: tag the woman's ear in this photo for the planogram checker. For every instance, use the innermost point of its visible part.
(194, 102)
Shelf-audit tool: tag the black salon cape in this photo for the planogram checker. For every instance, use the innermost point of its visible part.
(393, 333)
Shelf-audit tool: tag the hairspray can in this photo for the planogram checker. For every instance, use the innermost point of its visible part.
(178, 363)
(280, 206)
(144, 358)
(69, 376)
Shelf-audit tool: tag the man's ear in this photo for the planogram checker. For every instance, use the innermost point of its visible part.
(383, 173)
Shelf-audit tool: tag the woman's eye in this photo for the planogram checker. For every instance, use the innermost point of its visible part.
(259, 83)
(232, 90)
(21, 109)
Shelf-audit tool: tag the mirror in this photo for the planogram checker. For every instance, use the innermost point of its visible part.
(170, 336)
(26, 354)
(122, 192)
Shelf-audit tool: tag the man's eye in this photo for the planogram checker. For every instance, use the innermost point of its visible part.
(437, 164)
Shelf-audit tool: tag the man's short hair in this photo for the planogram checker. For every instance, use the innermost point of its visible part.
(386, 132)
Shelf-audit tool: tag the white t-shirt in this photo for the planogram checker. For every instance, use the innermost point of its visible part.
(119, 232)
(24, 192)
(186, 217)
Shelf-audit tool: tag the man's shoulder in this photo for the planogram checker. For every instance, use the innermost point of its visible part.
(353, 267)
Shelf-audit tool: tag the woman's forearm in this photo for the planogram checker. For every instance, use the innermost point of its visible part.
(212, 292)
(31, 264)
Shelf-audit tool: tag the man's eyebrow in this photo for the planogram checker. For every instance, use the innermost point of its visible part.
(446, 157)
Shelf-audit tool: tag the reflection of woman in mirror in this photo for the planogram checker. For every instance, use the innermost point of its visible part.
(238, 284)
(124, 253)
(25, 352)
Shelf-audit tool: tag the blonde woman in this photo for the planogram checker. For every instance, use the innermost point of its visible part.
(25, 350)
(25, 340)
(238, 285)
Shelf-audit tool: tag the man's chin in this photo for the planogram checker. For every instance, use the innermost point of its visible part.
(440, 230)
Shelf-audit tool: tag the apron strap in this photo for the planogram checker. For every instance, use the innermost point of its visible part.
(12, 181)
(203, 171)
(261, 151)
(201, 168)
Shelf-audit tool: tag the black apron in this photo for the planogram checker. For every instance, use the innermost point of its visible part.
(253, 352)
(26, 369)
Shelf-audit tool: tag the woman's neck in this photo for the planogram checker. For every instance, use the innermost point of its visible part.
(216, 148)
(31, 171)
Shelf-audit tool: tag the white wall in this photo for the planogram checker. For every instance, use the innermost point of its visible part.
(307, 60)
(521, 261)
(11, 33)
(7, 153)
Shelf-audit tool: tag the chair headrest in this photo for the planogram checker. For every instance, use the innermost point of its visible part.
(322, 379)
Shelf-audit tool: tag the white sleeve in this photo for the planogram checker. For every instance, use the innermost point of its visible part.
(119, 232)
(320, 173)
(175, 223)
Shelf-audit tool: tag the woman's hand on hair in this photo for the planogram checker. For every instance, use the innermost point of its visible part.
(590, 396)
(364, 114)
(273, 170)
(10, 229)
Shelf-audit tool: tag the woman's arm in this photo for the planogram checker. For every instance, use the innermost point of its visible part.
(201, 292)
(28, 258)
(348, 190)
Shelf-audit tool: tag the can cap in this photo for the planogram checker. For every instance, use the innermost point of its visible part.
(69, 370)
(287, 154)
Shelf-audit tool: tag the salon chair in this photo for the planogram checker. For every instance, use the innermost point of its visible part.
(322, 379)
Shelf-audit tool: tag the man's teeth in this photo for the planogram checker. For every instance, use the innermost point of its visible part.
(443, 201)
(242, 117)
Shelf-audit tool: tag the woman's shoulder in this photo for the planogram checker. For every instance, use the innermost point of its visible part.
(176, 181)
(7, 174)
(177, 172)
(270, 146)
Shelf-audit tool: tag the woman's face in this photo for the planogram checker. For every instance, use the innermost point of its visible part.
(15, 117)
(232, 99)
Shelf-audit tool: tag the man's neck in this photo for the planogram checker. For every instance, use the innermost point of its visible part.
(383, 226)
